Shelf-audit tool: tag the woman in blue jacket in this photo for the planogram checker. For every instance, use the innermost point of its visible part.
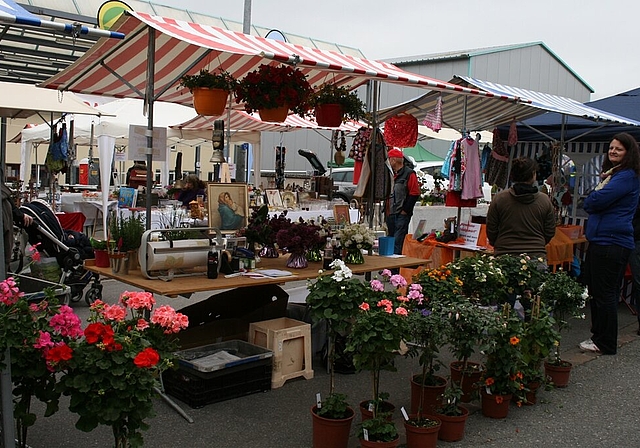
(611, 206)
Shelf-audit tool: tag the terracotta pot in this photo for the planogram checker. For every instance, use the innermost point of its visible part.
(329, 115)
(367, 444)
(558, 375)
(422, 437)
(329, 432)
(431, 395)
(495, 406)
(102, 258)
(385, 406)
(531, 395)
(452, 428)
(210, 102)
(276, 115)
(468, 381)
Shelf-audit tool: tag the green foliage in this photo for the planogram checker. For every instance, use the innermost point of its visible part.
(522, 272)
(352, 106)
(221, 80)
(565, 297)
(427, 332)
(125, 232)
(379, 429)
(439, 285)
(98, 244)
(335, 406)
(539, 338)
(450, 400)
(482, 278)
(467, 322)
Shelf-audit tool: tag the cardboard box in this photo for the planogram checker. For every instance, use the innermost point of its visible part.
(290, 341)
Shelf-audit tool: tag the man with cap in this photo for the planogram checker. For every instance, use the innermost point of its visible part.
(404, 196)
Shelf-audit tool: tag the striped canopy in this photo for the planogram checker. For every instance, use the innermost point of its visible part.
(244, 122)
(177, 47)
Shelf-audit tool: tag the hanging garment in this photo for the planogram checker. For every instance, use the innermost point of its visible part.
(513, 134)
(56, 160)
(453, 199)
(360, 144)
(498, 162)
(401, 131)
(457, 168)
(433, 119)
(446, 166)
(472, 175)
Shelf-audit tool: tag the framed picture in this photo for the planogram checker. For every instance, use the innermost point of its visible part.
(228, 205)
(288, 199)
(341, 214)
(420, 229)
(273, 198)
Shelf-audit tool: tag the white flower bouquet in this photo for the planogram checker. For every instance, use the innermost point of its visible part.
(358, 236)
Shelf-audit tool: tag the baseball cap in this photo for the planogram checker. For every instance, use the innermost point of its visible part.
(395, 153)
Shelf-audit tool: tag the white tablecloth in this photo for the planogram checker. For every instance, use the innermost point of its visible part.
(294, 215)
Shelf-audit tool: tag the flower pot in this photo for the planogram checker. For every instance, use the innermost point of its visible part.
(354, 256)
(468, 381)
(297, 260)
(422, 437)
(495, 406)
(209, 102)
(329, 115)
(431, 395)
(452, 428)
(368, 444)
(558, 375)
(385, 406)
(102, 258)
(134, 262)
(329, 432)
(276, 115)
(119, 262)
(531, 394)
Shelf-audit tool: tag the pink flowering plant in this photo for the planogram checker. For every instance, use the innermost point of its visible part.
(36, 334)
(380, 326)
(113, 371)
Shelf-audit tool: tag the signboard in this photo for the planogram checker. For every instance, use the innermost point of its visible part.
(138, 143)
(470, 232)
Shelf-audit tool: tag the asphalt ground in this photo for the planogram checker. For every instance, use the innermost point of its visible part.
(599, 408)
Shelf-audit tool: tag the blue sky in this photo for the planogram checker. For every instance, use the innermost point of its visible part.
(598, 39)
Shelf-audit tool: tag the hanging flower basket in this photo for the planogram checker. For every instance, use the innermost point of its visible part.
(329, 115)
(274, 115)
(209, 102)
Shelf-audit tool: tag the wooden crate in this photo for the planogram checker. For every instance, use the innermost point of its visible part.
(290, 342)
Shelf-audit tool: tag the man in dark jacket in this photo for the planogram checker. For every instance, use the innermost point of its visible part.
(10, 215)
(406, 192)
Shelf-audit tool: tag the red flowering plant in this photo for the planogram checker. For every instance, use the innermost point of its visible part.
(501, 344)
(36, 332)
(113, 371)
(271, 86)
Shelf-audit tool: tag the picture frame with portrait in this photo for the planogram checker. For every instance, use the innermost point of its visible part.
(341, 214)
(228, 205)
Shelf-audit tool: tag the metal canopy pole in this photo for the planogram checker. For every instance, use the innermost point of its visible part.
(149, 99)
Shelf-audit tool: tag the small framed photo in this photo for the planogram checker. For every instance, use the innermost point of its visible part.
(420, 229)
(341, 214)
(288, 199)
(273, 198)
(228, 205)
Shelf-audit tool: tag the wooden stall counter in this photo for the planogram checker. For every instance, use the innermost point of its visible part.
(185, 286)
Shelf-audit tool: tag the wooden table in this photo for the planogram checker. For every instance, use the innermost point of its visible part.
(188, 285)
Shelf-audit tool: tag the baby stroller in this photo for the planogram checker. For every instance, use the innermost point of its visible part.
(52, 241)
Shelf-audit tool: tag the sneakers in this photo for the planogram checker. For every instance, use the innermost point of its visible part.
(589, 346)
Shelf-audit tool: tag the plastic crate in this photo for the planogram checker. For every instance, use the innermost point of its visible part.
(33, 288)
(200, 381)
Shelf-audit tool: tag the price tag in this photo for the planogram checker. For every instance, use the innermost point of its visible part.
(404, 413)
(371, 407)
(365, 434)
(318, 401)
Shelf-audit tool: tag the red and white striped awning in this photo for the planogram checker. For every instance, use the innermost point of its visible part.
(119, 68)
(244, 122)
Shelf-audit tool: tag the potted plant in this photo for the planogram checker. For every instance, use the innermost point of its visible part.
(566, 298)
(125, 237)
(356, 238)
(273, 91)
(262, 229)
(483, 281)
(297, 239)
(210, 90)
(334, 297)
(378, 432)
(332, 104)
(100, 251)
(112, 373)
(452, 415)
(377, 333)
(502, 376)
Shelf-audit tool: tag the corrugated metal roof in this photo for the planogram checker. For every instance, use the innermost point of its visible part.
(469, 53)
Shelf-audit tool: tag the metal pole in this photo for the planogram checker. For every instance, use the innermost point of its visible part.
(246, 19)
(149, 98)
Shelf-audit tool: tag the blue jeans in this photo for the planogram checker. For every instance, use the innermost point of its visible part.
(398, 227)
(604, 269)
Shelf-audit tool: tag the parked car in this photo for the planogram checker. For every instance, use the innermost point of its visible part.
(343, 183)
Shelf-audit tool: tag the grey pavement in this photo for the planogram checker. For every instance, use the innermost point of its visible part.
(599, 408)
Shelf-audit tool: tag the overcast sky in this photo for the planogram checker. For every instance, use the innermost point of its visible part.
(598, 39)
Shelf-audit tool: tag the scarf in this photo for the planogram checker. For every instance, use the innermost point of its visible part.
(606, 177)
